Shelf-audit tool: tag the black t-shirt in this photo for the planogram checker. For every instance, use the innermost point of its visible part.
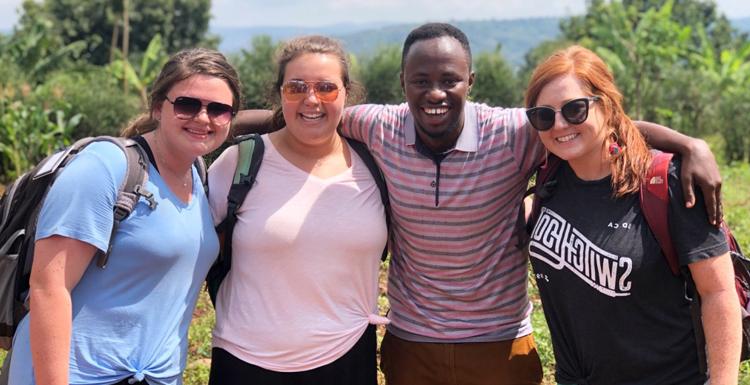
(616, 313)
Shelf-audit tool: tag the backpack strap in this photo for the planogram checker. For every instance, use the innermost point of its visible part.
(654, 197)
(200, 165)
(250, 156)
(132, 188)
(364, 154)
(250, 148)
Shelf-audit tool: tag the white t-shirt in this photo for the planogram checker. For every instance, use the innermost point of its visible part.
(306, 254)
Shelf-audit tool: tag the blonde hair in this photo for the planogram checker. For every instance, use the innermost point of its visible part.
(630, 165)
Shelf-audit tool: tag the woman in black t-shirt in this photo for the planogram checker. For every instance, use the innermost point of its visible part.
(616, 313)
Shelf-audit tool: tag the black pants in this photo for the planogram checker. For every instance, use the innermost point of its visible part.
(356, 367)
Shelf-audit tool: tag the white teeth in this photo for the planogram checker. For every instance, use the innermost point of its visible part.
(566, 138)
(312, 116)
(435, 111)
(197, 132)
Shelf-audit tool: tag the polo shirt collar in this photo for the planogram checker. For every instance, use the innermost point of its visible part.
(468, 141)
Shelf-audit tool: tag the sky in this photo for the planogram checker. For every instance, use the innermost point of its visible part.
(326, 12)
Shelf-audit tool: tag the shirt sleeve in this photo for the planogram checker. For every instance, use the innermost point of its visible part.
(694, 238)
(81, 201)
(364, 123)
(527, 147)
(220, 176)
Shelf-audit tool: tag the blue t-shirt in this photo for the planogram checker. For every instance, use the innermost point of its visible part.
(130, 319)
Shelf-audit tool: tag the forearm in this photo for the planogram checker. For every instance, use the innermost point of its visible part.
(252, 122)
(59, 263)
(665, 138)
(50, 331)
(722, 327)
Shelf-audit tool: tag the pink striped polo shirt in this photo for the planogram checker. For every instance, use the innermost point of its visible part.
(456, 273)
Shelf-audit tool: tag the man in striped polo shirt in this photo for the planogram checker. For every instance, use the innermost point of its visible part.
(456, 174)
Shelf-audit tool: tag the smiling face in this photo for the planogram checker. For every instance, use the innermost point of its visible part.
(436, 80)
(582, 145)
(311, 121)
(197, 136)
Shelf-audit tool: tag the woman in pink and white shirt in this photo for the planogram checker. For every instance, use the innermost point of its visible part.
(298, 305)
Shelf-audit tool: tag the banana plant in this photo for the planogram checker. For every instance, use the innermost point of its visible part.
(139, 79)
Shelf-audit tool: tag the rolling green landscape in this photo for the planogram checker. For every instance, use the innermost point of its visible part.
(68, 73)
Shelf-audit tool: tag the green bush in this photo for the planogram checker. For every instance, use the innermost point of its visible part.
(92, 93)
(29, 133)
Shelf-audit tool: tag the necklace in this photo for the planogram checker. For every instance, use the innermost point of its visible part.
(184, 179)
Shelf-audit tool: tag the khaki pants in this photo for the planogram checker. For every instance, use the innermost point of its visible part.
(513, 362)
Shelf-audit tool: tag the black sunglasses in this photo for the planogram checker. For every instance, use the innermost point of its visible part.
(186, 108)
(575, 111)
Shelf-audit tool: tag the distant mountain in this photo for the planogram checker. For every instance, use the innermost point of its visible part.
(515, 36)
(235, 38)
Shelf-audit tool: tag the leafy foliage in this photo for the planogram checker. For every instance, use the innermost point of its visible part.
(93, 93)
(257, 70)
(379, 75)
(38, 50)
(98, 24)
(139, 79)
(28, 134)
(495, 82)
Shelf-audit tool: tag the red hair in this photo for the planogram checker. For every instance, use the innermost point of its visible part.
(629, 167)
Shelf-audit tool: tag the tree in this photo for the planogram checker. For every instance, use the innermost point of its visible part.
(536, 55)
(699, 14)
(141, 78)
(495, 82)
(38, 51)
(98, 23)
(379, 75)
(640, 48)
(729, 91)
(256, 68)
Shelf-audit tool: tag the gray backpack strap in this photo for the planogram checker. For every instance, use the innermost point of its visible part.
(132, 188)
(200, 165)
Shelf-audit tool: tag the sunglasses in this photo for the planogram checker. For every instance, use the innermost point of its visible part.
(574, 112)
(297, 90)
(187, 108)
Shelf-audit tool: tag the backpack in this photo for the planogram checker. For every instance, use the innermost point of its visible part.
(21, 204)
(250, 156)
(654, 201)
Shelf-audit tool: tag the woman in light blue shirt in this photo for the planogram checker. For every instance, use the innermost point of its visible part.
(128, 323)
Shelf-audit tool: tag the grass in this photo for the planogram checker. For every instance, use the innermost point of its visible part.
(736, 195)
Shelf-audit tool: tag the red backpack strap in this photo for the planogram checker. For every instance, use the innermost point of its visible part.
(655, 205)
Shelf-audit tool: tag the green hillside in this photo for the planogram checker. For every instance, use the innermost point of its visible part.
(515, 36)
